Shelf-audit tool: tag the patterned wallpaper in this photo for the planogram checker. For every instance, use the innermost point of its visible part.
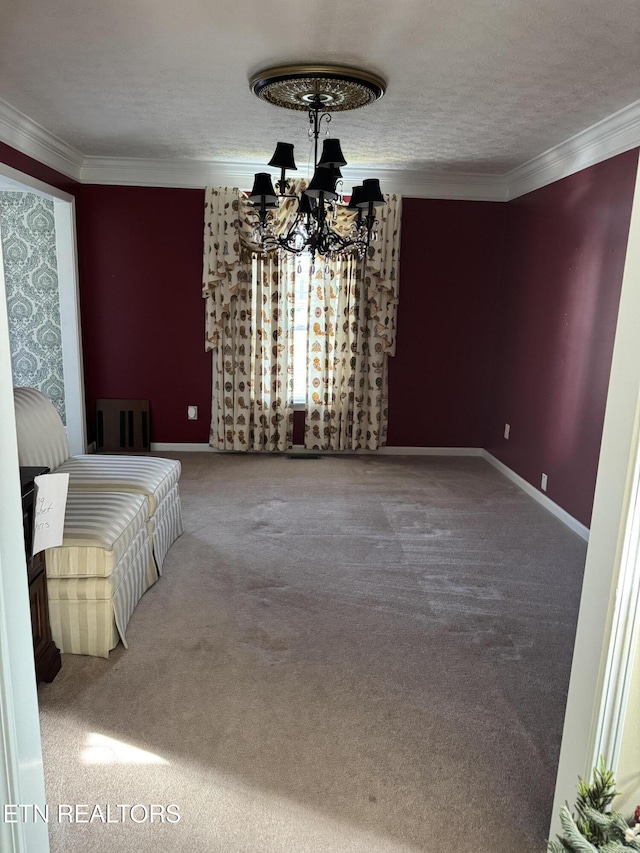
(29, 246)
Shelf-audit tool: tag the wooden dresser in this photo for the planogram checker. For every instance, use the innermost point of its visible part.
(45, 651)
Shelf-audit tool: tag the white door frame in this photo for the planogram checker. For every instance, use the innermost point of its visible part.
(21, 770)
(66, 242)
(608, 621)
(64, 209)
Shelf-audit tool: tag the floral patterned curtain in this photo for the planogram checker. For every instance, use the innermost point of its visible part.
(249, 313)
(352, 332)
(249, 328)
(272, 352)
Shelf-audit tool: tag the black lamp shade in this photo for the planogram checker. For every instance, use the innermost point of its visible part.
(305, 204)
(263, 190)
(322, 183)
(283, 157)
(370, 194)
(332, 154)
(356, 195)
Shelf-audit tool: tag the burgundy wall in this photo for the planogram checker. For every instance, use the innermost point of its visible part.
(142, 313)
(557, 314)
(507, 314)
(141, 305)
(450, 266)
(38, 170)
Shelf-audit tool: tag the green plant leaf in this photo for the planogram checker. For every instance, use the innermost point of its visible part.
(573, 835)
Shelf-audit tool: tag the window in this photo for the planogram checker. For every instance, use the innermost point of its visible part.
(300, 326)
(300, 330)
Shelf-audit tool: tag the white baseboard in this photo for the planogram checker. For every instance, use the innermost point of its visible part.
(187, 447)
(184, 447)
(428, 451)
(571, 522)
(391, 451)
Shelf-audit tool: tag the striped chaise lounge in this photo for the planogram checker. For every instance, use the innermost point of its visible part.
(42, 440)
(100, 572)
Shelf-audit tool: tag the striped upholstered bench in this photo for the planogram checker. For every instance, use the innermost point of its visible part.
(99, 573)
(42, 440)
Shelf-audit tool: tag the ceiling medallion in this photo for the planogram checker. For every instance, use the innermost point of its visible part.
(319, 90)
(337, 88)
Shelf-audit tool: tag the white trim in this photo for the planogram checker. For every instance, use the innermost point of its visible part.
(69, 295)
(181, 447)
(139, 172)
(625, 631)
(68, 285)
(125, 171)
(427, 451)
(571, 522)
(186, 447)
(29, 137)
(21, 770)
(301, 450)
(617, 133)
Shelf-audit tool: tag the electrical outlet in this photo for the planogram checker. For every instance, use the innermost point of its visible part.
(543, 484)
(192, 413)
(507, 430)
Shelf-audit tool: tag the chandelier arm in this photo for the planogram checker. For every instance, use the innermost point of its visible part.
(347, 244)
(323, 117)
(315, 120)
(289, 236)
(320, 246)
(283, 243)
(262, 213)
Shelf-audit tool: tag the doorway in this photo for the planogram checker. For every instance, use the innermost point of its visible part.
(21, 773)
(37, 224)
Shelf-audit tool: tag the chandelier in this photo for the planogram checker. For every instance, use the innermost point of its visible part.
(322, 223)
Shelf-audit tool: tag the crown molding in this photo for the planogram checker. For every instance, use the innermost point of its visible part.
(613, 135)
(143, 172)
(465, 186)
(201, 173)
(29, 137)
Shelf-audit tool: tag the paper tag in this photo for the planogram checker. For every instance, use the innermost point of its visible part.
(49, 509)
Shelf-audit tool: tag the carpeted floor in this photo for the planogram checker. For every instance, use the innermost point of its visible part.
(344, 655)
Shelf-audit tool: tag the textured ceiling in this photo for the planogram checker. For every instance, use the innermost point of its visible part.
(478, 86)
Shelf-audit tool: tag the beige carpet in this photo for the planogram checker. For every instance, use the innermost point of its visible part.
(344, 655)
